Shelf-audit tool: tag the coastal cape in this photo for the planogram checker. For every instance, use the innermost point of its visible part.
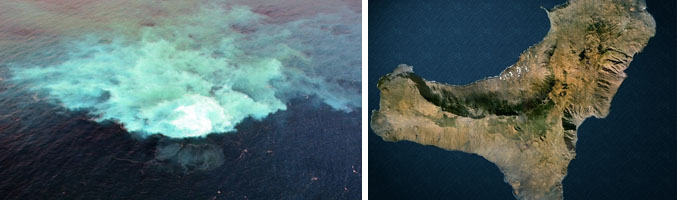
(525, 119)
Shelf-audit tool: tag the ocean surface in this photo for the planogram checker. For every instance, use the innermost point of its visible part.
(630, 154)
(87, 86)
(307, 152)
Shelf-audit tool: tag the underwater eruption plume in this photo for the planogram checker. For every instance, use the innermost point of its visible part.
(187, 69)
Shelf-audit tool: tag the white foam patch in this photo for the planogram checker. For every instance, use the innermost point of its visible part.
(204, 74)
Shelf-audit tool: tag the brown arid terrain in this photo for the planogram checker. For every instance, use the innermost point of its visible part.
(525, 119)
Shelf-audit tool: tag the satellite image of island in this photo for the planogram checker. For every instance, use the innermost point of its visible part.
(173, 99)
(527, 119)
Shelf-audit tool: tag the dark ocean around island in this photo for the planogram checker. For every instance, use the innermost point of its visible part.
(630, 154)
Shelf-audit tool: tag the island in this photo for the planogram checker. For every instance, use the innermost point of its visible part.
(525, 119)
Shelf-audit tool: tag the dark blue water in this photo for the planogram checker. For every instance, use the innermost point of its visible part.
(631, 154)
(307, 152)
